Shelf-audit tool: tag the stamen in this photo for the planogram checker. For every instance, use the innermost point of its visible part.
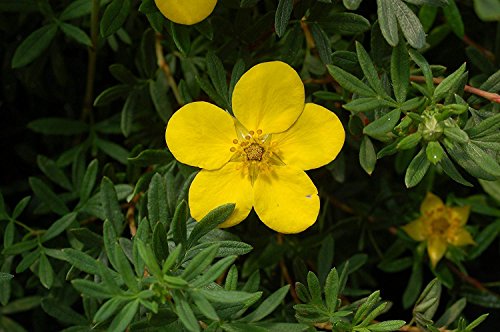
(254, 152)
(233, 149)
(251, 132)
(259, 131)
(247, 137)
(235, 141)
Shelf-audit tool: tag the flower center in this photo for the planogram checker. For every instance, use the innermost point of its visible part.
(254, 152)
(439, 226)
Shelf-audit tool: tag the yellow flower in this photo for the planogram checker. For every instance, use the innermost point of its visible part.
(258, 158)
(440, 226)
(186, 11)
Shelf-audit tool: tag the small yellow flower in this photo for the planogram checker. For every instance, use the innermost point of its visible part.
(258, 158)
(440, 226)
(186, 12)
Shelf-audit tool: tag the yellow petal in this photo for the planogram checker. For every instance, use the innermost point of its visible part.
(415, 229)
(432, 204)
(270, 97)
(201, 134)
(436, 247)
(211, 189)
(286, 200)
(460, 214)
(186, 11)
(461, 238)
(314, 140)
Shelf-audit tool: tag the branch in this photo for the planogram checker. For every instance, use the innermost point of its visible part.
(285, 274)
(493, 97)
(163, 65)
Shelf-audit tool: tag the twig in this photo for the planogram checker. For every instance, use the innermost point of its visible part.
(88, 100)
(131, 215)
(307, 34)
(487, 53)
(493, 97)
(160, 58)
(285, 274)
(468, 279)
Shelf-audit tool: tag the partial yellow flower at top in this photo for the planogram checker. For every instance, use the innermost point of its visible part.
(186, 12)
(440, 226)
(257, 158)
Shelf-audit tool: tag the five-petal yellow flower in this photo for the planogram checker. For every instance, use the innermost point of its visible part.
(440, 226)
(186, 12)
(258, 158)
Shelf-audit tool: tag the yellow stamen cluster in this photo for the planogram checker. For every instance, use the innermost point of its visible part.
(255, 151)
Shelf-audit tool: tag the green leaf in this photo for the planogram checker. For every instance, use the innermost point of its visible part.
(332, 287)
(452, 313)
(199, 262)
(127, 115)
(389, 325)
(448, 83)
(410, 24)
(350, 82)
(91, 288)
(414, 285)
(485, 127)
(75, 33)
(20, 247)
(124, 269)
(34, 45)
(76, 9)
(125, 316)
(209, 222)
(268, 305)
(388, 21)
(114, 16)
(470, 165)
(152, 157)
(425, 68)
(454, 19)
(450, 169)
(456, 134)
(111, 94)
(367, 104)
(157, 196)
(483, 159)
(417, 169)
(62, 312)
(88, 180)
(369, 70)
(160, 243)
(352, 4)
(21, 305)
(20, 207)
(345, 24)
(186, 315)
(283, 13)
(180, 34)
(434, 152)
(58, 126)
(230, 297)
(149, 258)
(484, 239)
(108, 309)
(28, 260)
(400, 72)
(231, 279)
(81, 261)
(204, 306)
(59, 226)
(322, 43)
(314, 287)
(178, 225)
(367, 155)
(158, 92)
(383, 125)
(217, 75)
(213, 272)
(325, 258)
(410, 141)
(44, 193)
(109, 201)
(487, 10)
(428, 301)
(53, 172)
(45, 272)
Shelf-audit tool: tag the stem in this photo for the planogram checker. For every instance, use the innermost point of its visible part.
(160, 58)
(487, 53)
(493, 97)
(285, 274)
(91, 66)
